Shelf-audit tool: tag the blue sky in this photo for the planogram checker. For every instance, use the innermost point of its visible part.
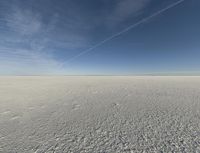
(41, 37)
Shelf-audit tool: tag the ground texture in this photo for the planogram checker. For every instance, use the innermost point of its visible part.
(99, 114)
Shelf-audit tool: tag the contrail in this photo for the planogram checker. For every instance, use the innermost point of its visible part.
(123, 31)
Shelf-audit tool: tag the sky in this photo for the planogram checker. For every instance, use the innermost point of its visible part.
(99, 37)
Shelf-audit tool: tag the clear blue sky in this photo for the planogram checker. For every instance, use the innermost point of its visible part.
(43, 37)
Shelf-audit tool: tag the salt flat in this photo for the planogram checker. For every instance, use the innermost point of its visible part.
(105, 114)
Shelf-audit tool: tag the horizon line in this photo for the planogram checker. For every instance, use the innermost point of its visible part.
(139, 74)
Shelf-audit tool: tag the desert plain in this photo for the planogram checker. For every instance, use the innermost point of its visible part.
(99, 114)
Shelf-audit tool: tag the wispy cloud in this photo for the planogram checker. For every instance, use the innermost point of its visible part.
(22, 21)
(125, 9)
(23, 45)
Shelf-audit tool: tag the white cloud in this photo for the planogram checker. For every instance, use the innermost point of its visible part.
(125, 9)
(23, 48)
(24, 22)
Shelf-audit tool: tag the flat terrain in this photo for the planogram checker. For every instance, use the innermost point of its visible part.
(99, 114)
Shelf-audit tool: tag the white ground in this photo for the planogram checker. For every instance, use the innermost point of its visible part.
(99, 114)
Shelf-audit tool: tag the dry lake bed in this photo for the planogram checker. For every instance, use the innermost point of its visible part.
(100, 114)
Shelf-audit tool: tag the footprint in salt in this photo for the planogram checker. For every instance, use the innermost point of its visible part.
(115, 104)
(15, 117)
(75, 106)
(5, 113)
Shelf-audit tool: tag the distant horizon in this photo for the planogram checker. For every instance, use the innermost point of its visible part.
(135, 74)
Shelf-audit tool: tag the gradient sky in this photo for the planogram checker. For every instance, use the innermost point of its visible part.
(42, 36)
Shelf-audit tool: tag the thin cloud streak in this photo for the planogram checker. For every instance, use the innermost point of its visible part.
(123, 31)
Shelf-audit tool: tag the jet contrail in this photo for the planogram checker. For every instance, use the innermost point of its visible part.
(123, 31)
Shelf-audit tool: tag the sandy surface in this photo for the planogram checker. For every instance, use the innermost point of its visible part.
(99, 114)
